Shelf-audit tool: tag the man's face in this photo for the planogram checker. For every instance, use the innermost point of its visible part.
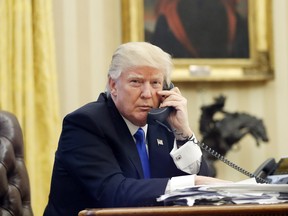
(135, 93)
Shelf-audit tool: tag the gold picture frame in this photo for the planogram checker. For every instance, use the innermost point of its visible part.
(257, 67)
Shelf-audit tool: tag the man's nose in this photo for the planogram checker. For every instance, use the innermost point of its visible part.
(146, 90)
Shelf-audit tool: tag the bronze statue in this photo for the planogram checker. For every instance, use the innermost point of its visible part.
(222, 134)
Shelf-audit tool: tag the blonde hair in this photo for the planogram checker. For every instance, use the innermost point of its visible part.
(135, 54)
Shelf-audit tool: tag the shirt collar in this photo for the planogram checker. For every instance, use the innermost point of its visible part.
(133, 128)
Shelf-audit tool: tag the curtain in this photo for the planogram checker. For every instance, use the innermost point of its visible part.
(28, 86)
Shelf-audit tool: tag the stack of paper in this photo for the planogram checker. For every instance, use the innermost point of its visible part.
(234, 193)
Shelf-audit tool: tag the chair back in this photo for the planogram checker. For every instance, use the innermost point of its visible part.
(15, 197)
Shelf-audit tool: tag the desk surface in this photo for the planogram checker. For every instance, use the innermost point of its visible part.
(255, 210)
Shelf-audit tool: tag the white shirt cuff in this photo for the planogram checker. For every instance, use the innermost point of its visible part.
(188, 157)
(180, 182)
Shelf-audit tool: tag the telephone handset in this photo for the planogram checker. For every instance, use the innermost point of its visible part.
(266, 168)
(156, 115)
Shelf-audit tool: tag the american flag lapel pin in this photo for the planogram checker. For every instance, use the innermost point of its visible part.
(159, 142)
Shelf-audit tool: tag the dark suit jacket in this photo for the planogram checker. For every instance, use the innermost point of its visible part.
(97, 164)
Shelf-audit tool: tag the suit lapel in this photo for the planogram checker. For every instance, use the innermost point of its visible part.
(124, 138)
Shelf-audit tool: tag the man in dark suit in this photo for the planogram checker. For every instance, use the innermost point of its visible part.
(97, 164)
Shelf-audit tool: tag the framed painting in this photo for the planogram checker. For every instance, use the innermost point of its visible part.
(219, 40)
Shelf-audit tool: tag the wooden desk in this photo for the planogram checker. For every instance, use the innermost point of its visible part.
(239, 210)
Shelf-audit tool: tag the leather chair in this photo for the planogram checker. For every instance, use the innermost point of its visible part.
(14, 181)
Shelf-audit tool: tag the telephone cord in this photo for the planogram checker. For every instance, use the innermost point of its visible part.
(228, 162)
(220, 157)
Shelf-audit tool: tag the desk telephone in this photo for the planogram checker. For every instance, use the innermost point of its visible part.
(268, 172)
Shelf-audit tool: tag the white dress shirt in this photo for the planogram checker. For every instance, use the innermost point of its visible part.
(187, 158)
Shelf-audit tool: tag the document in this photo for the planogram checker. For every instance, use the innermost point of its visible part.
(244, 192)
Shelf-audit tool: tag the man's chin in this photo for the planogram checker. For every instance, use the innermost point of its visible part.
(141, 121)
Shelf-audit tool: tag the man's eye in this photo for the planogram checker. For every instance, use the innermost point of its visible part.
(135, 82)
(156, 84)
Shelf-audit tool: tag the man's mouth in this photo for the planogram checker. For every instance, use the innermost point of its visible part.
(145, 108)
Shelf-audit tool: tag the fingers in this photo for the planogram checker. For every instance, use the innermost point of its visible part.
(178, 119)
(173, 98)
(166, 93)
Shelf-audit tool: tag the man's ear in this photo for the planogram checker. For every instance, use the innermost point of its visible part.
(112, 86)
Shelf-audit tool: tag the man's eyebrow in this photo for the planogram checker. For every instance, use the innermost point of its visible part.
(134, 76)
